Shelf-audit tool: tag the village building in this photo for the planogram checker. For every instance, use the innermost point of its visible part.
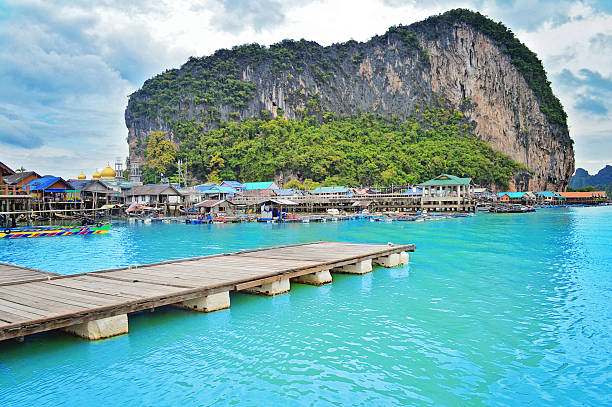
(265, 188)
(447, 185)
(586, 198)
(97, 191)
(215, 206)
(334, 191)
(5, 170)
(206, 185)
(550, 198)
(50, 188)
(234, 184)
(154, 194)
(287, 192)
(275, 208)
(364, 191)
(524, 198)
(219, 192)
(413, 192)
(20, 179)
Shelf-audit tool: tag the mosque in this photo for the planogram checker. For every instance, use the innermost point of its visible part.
(107, 174)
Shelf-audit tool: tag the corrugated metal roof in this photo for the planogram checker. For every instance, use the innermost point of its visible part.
(43, 183)
(209, 203)
(153, 189)
(285, 192)
(446, 179)
(18, 177)
(590, 194)
(550, 194)
(219, 189)
(279, 201)
(330, 190)
(260, 185)
(78, 184)
(233, 184)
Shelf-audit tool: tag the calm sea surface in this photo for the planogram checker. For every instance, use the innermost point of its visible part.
(504, 309)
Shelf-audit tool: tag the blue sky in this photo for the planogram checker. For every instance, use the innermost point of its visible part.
(67, 68)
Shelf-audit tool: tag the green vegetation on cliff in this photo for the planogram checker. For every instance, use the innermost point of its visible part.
(355, 150)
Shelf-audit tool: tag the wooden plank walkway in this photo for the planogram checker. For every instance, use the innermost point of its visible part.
(34, 301)
(11, 274)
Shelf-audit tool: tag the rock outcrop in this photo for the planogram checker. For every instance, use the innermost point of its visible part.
(448, 59)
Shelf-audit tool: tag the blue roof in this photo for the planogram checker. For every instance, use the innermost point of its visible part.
(550, 194)
(42, 183)
(258, 185)
(330, 190)
(233, 184)
(219, 189)
(284, 192)
(78, 184)
(204, 187)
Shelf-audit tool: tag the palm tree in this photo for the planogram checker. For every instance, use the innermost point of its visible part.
(21, 169)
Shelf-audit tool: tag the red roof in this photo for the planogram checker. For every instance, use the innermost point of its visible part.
(590, 194)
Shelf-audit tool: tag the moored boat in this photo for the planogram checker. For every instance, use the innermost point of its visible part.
(99, 228)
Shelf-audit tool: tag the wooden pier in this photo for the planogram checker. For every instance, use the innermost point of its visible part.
(95, 305)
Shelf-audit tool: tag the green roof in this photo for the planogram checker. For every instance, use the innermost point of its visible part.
(446, 179)
(260, 185)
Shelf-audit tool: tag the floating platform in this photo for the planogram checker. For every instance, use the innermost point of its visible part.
(95, 305)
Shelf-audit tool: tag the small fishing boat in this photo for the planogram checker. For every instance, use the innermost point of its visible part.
(99, 228)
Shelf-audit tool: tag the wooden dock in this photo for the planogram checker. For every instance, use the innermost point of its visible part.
(11, 274)
(35, 301)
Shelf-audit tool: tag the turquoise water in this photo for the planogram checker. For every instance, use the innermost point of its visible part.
(492, 310)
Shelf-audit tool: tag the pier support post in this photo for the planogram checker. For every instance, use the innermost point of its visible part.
(318, 278)
(404, 257)
(391, 260)
(277, 287)
(100, 328)
(207, 303)
(361, 267)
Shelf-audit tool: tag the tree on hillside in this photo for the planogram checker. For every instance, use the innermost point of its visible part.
(161, 157)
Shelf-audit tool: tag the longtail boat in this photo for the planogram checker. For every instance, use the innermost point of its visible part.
(47, 231)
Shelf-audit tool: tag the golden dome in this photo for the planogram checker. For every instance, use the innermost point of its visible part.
(82, 176)
(96, 175)
(108, 172)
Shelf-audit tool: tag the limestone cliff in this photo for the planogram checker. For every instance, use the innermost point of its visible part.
(459, 58)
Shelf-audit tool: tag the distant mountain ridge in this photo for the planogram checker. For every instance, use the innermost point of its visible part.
(582, 178)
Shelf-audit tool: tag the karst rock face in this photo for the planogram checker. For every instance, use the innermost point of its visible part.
(461, 61)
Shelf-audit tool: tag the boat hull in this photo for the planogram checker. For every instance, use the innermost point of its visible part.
(49, 231)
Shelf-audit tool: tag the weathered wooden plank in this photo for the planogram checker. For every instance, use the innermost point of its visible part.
(78, 294)
(42, 303)
(62, 296)
(23, 310)
(10, 274)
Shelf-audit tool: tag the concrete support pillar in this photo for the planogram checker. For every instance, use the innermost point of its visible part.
(391, 260)
(404, 257)
(101, 328)
(319, 278)
(207, 303)
(277, 287)
(361, 267)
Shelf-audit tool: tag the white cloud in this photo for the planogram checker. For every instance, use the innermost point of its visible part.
(66, 70)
